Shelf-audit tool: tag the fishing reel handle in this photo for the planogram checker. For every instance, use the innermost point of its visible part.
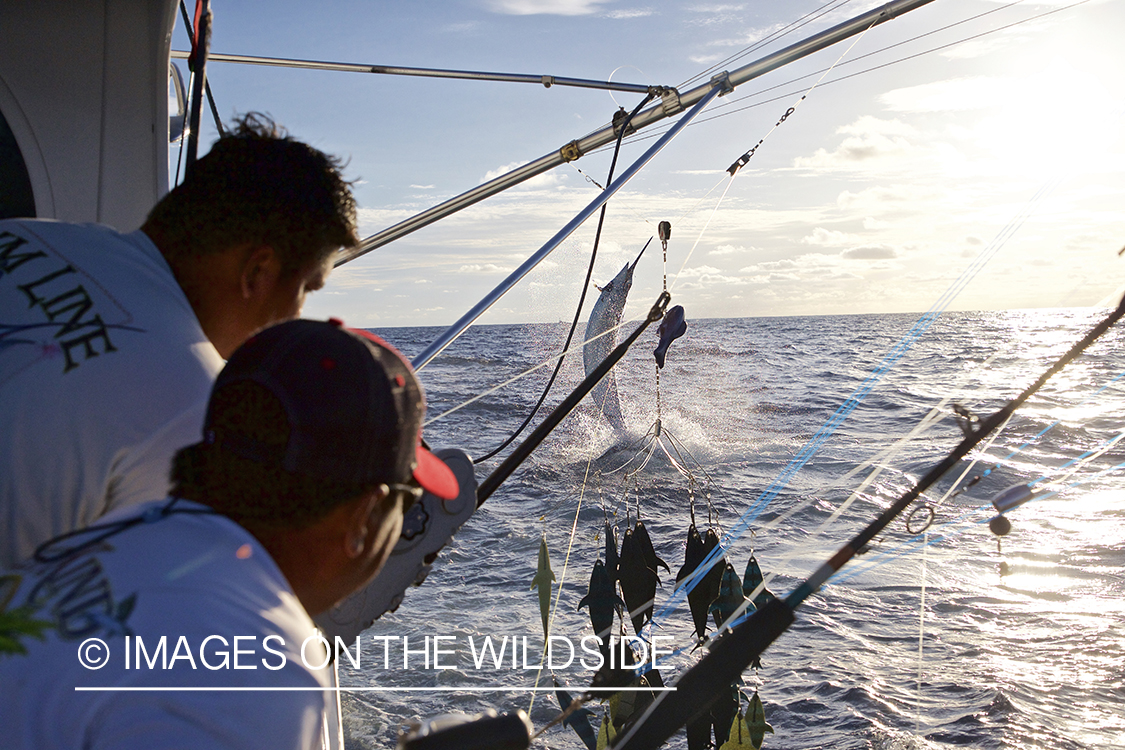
(427, 527)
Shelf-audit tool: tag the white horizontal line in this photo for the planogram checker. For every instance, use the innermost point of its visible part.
(511, 689)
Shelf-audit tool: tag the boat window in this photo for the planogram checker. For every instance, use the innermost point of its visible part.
(16, 198)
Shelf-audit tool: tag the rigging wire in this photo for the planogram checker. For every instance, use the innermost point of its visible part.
(781, 33)
(582, 297)
(813, 445)
(1081, 2)
(1073, 465)
(729, 110)
(964, 523)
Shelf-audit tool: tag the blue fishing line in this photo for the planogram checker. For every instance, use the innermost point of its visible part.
(826, 430)
(892, 555)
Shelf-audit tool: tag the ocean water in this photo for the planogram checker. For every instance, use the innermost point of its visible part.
(918, 643)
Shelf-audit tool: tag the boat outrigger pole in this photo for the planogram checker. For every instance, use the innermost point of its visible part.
(455, 330)
(398, 70)
(672, 103)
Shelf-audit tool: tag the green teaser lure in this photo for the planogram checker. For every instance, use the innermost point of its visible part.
(543, 578)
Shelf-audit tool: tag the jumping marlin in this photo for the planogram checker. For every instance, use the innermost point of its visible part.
(542, 579)
(606, 315)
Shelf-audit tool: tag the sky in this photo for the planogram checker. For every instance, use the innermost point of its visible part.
(885, 185)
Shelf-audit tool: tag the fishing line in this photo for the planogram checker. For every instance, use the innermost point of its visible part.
(525, 373)
(830, 426)
(1054, 424)
(561, 581)
(952, 491)
(987, 509)
(776, 35)
(884, 49)
(953, 526)
(959, 526)
(731, 655)
(728, 111)
(923, 566)
(625, 121)
(739, 163)
(884, 457)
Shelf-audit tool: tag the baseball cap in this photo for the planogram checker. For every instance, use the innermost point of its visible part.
(353, 404)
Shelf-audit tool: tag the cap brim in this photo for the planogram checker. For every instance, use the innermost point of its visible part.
(434, 476)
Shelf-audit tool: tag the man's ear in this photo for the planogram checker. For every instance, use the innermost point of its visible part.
(360, 520)
(260, 271)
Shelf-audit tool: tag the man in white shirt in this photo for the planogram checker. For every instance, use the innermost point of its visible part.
(109, 342)
(294, 498)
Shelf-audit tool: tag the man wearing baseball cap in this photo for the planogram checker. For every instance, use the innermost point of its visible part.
(311, 452)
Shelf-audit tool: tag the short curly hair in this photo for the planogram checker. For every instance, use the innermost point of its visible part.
(259, 186)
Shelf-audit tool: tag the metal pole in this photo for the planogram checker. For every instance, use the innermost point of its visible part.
(455, 330)
(396, 70)
(671, 104)
(199, 68)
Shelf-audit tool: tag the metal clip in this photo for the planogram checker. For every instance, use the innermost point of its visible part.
(670, 102)
(968, 421)
(547, 81)
(570, 152)
(722, 80)
(619, 117)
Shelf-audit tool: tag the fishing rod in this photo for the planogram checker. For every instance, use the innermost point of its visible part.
(201, 41)
(732, 653)
(524, 449)
(672, 103)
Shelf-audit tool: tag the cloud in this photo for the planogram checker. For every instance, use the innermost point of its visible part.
(545, 180)
(829, 238)
(701, 277)
(625, 13)
(870, 252)
(870, 141)
(953, 95)
(884, 198)
(463, 27)
(712, 9)
(484, 268)
(727, 250)
(546, 7)
(423, 187)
